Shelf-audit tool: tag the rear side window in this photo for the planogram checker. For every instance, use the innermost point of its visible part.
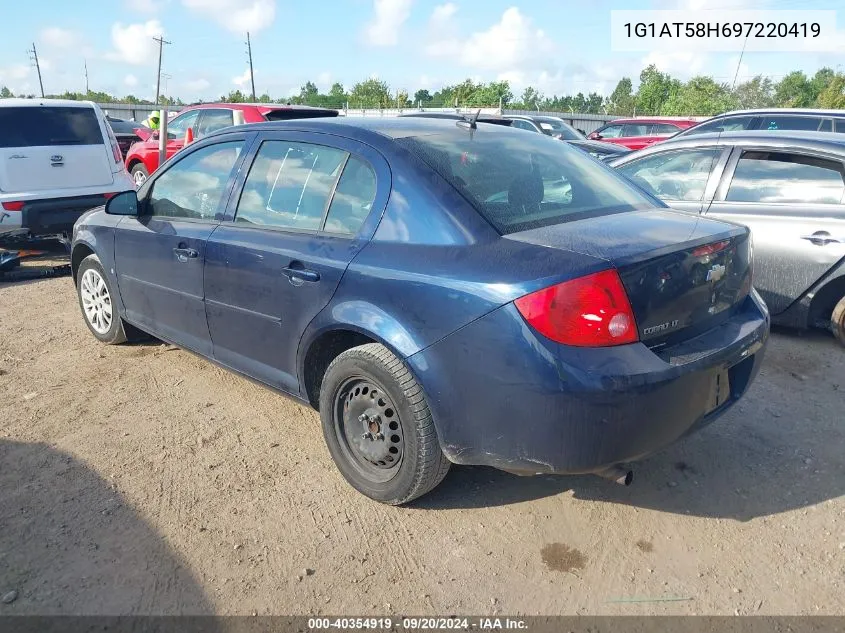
(289, 185)
(840, 126)
(677, 175)
(213, 120)
(725, 124)
(353, 198)
(664, 128)
(804, 123)
(35, 126)
(636, 129)
(611, 131)
(523, 181)
(790, 178)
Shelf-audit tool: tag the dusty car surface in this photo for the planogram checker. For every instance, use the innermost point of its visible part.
(442, 291)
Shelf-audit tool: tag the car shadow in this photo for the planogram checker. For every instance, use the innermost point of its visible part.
(779, 449)
(71, 544)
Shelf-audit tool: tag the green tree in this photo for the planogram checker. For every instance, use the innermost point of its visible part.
(594, 103)
(5, 93)
(492, 94)
(235, 96)
(531, 97)
(821, 80)
(654, 91)
(265, 98)
(833, 95)
(794, 91)
(337, 95)
(700, 96)
(579, 103)
(372, 93)
(755, 93)
(422, 97)
(308, 94)
(622, 100)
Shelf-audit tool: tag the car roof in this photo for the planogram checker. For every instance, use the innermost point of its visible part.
(363, 128)
(774, 139)
(259, 106)
(809, 111)
(655, 119)
(34, 103)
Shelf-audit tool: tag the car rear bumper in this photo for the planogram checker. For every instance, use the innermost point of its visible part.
(504, 396)
(52, 216)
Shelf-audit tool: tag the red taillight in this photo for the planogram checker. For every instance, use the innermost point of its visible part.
(115, 150)
(591, 311)
(709, 249)
(109, 195)
(13, 206)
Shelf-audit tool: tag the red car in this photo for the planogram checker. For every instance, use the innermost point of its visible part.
(639, 133)
(142, 157)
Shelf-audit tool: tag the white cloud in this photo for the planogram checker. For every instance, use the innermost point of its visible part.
(15, 72)
(198, 85)
(238, 16)
(133, 43)
(324, 81)
(681, 64)
(389, 17)
(443, 12)
(57, 37)
(242, 79)
(144, 6)
(130, 80)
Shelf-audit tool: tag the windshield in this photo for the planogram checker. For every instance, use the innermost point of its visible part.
(522, 181)
(561, 128)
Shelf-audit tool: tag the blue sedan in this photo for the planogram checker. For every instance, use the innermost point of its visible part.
(442, 292)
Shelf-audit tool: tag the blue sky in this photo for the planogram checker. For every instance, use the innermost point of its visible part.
(559, 46)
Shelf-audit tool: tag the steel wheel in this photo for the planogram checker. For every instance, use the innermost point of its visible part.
(368, 429)
(96, 301)
(139, 177)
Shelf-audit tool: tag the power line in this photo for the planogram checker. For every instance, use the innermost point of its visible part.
(251, 72)
(161, 42)
(34, 58)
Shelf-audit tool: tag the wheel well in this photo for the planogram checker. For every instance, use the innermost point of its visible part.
(133, 162)
(821, 307)
(80, 252)
(321, 353)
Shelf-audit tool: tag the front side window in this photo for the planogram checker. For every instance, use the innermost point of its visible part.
(724, 124)
(289, 185)
(523, 125)
(676, 175)
(194, 186)
(611, 131)
(521, 181)
(772, 177)
(805, 123)
(213, 120)
(179, 125)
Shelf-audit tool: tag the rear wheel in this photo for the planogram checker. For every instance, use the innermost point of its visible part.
(378, 426)
(139, 174)
(95, 300)
(837, 321)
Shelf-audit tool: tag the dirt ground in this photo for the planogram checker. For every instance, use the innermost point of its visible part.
(140, 479)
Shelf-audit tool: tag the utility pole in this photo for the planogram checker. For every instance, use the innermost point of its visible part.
(86, 78)
(161, 42)
(251, 73)
(34, 56)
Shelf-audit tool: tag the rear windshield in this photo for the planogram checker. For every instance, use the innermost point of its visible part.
(286, 114)
(35, 126)
(521, 181)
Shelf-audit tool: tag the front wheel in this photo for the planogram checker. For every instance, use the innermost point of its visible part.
(95, 300)
(378, 426)
(837, 321)
(139, 174)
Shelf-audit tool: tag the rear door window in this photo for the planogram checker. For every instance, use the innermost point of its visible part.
(840, 126)
(38, 126)
(179, 125)
(636, 129)
(724, 124)
(774, 177)
(523, 181)
(664, 128)
(778, 122)
(213, 120)
(290, 186)
(676, 175)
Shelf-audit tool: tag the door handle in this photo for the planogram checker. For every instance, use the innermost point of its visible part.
(297, 273)
(821, 238)
(184, 254)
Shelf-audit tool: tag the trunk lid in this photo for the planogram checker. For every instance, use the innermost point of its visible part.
(683, 274)
(52, 147)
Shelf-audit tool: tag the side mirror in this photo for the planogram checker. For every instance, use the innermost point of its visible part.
(124, 203)
(595, 136)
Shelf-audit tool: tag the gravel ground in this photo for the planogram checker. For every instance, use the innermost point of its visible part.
(142, 479)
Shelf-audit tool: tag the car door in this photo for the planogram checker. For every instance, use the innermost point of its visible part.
(305, 209)
(159, 255)
(682, 178)
(794, 204)
(637, 135)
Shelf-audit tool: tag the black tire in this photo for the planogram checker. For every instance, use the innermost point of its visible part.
(139, 171)
(837, 321)
(115, 333)
(397, 412)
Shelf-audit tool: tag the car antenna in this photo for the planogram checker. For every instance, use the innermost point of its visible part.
(471, 122)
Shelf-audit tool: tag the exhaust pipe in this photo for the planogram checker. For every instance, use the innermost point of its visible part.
(622, 476)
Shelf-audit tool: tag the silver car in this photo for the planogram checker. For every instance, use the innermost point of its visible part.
(787, 187)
